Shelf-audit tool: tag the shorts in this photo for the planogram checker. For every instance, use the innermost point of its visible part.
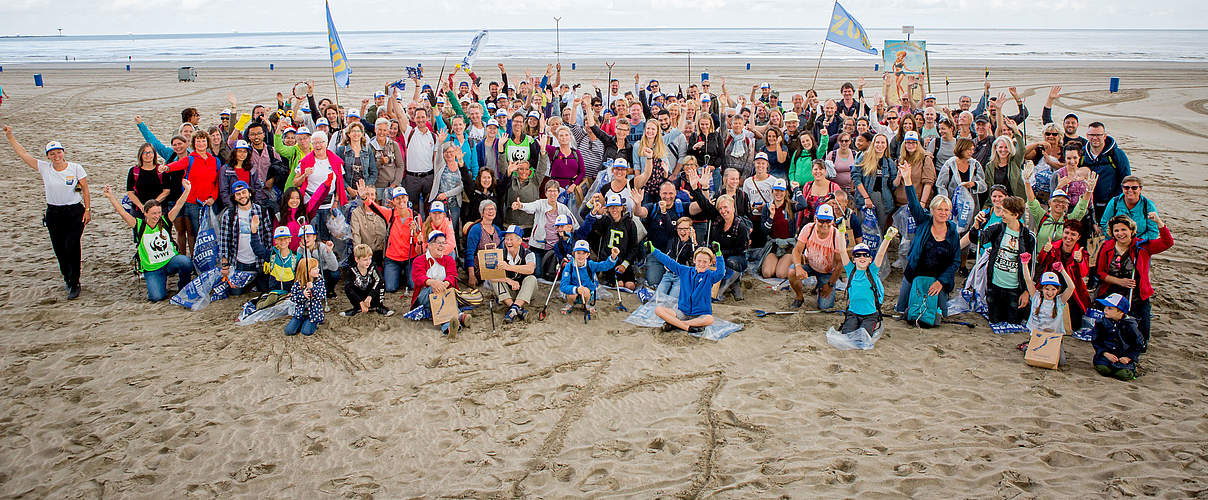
(686, 317)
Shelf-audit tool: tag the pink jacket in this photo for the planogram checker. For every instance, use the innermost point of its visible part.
(337, 169)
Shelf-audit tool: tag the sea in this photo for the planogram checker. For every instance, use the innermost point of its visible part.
(609, 43)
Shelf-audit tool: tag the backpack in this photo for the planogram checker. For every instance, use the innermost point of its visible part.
(923, 310)
(158, 174)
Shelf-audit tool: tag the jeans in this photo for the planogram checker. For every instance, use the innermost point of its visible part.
(823, 279)
(669, 284)
(422, 298)
(1141, 310)
(654, 271)
(396, 274)
(296, 325)
(65, 224)
(157, 280)
(539, 255)
(736, 264)
(453, 210)
(1003, 305)
(904, 298)
(320, 224)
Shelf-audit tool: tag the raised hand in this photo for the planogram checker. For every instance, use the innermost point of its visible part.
(1054, 93)
(108, 190)
(138, 119)
(1078, 257)
(254, 223)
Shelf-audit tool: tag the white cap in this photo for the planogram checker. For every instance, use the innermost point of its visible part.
(321, 122)
(562, 220)
(398, 191)
(379, 94)
(1049, 278)
(353, 112)
(613, 200)
(779, 185)
(304, 130)
(911, 136)
(761, 156)
(534, 114)
(765, 85)
(435, 234)
(307, 230)
(282, 232)
(862, 247)
(582, 246)
(225, 112)
(620, 163)
(242, 144)
(492, 121)
(825, 212)
(1059, 192)
(53, 145)
(929, 96)
(437, 206)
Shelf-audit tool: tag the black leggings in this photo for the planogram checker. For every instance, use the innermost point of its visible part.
(1003, 305)
(65, 223)
(357, 294)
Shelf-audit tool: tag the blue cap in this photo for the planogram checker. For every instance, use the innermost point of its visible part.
(861, 248)
(514, 229)
(238, 186)
(563, 220)
(1115, 300)
(307, 230)
(582, 246)
(282, 232)
(435, 234)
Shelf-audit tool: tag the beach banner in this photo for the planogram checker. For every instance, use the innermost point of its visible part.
(846, 31)
(904, 57)
(339, 60)
(467, 62)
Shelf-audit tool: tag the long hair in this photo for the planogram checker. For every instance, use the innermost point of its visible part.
(659, 148)
(138, 159)
(232, 159)
(871, 160)
(914, 159)
(994, 158)
(302, 269)
(285, 203)
(348, 137)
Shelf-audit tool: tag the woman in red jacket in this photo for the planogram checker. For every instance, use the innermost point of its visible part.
(201, 169)
(1076, 260)
(1124, 265)
(435, 272)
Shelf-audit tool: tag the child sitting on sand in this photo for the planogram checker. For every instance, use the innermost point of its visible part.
(1048, 306)
(365, 286)
(307, 295)
(865, 292)
(1118, 341)
(578, 279)
(694, 311)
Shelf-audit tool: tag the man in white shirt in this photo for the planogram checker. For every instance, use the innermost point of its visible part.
(421, 159)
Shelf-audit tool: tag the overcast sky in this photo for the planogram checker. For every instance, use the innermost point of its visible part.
(34, 17)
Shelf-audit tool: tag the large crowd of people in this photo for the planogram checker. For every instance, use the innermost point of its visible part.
(692, 192)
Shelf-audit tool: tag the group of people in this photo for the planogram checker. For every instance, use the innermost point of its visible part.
(691, 192)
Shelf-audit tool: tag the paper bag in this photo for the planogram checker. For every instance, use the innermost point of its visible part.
(1044, 350)
(444, 306)
(488, 264)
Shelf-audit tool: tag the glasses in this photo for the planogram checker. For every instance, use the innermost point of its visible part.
(891, 118)
(844, 141)
(1096, 135)
(1051, 134)
(1131, 188)
(862, 255)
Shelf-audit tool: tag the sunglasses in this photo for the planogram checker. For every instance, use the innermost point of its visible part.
(1051, 134)
(861, 255)
(1131, 188)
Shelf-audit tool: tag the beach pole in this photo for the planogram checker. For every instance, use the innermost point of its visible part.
(947, 96)
(927, 64)
(558, 38)
(819, 66)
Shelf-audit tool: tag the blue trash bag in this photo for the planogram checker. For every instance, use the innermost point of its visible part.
(205, 248)
(196, 295)
(872, 231)
(1087, 333)
(237, 279)
(858, 339)
(250, 315)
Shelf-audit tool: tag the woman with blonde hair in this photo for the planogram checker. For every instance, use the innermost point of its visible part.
(653, 163)
(874, 177)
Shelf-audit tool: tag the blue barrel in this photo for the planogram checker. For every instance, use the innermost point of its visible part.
(748, 66)
(1, 69)
(127, 67)
(704, 77)
(572, 66)
(271, 66)
(38, 79)
(1113, 84)
(876, 67)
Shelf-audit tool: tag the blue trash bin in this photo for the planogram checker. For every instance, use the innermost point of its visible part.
(1113, 85)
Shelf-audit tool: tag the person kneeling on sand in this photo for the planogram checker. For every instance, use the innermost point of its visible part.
(694, 311)
(365, 286)
(435, 271)
(578, 280)
(865, 292)
(518, 264)
(1118, 341)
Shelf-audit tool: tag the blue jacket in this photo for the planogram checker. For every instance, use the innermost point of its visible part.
(1121, 338)
(473, 236)
(922, 234)
(696, 288)
(574, 276)
(885, 200)
(1112, 167)
(1146, 229)
(565, 246)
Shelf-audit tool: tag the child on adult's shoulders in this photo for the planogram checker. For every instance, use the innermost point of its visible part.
(1118, 342)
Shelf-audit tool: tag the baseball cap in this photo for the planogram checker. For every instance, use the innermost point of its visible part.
(1071, 115)
(1049, 278)
(321, 122)
(282, 232)
(911, 136)
(765, 85)
(620, 163)
(581, 246)
(705, 98)
(304, 109)
(761, 156)
(981, 119)
(779, 185)
(354, 113)
(290, 130)
(492, 122)
(929, 96)
(501, 113)
(437, 206)
(613, 200)
(225, 112)
(825, 212)
(307, 230)
(1115, 300)
(53, 145)
(791, 117)
(514, 229)
(398, 191)
(656, 95)
(534, 114)
(562, 220)
(435, 234)
(242, 144)
(861, 248)
(238, 186)
(379, 94)
(440, 99)
(1059, 192)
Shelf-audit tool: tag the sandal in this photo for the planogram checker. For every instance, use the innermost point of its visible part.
(567, 309)
(591, 309)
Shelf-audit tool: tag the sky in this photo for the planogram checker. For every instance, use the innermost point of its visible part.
(79, 17)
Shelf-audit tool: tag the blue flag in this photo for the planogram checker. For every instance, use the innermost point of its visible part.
(339, 60)
(845, 31)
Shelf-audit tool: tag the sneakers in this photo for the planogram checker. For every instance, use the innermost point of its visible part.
(695, 329)
(385, 311)
(464, 319)
(351, 312)
(73, 292)
(736, 290)
(512, 313)
(668, 327)
(797, 303)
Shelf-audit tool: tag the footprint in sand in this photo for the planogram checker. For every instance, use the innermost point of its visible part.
(249, 472)
(352, 486)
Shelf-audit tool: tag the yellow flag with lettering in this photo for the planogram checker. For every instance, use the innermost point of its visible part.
(339, 60)
(845, 31)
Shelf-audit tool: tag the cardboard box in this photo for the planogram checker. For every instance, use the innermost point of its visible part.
(1044, 350)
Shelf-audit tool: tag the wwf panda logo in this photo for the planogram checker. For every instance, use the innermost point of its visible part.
(159, 243)
(518, 154)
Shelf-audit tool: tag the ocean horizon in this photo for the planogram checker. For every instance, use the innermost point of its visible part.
(1163, 45)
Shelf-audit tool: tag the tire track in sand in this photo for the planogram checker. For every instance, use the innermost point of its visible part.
(1138, 95)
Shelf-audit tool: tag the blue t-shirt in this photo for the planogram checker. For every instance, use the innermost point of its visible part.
(860, 299)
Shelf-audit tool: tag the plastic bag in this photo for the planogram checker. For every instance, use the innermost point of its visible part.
(858, 339)
(644, 316)
(870, 227)
(196, 295)
(1087, 332)
(337, 225)
(964, 207)
(205, 249)
(281, 309)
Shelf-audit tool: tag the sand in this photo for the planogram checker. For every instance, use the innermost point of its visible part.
(108, 396)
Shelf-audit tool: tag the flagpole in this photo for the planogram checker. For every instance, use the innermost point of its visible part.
(819, 67)
(334, 84)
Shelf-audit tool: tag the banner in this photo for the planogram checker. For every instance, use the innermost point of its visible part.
(846, 31)
(903, 59)
(467, 62)
(339, 60)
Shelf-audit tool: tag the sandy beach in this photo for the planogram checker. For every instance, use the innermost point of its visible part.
(108, 396)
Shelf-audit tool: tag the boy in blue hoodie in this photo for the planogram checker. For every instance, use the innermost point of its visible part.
(579, 277)
(1118, 342)
(694, 311)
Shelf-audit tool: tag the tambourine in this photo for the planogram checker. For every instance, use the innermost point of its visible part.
(300, 90)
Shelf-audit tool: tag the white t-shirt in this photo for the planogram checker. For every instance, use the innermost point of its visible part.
(436, 271)
(318, 176)
(755, 189)
(244, 253)
(420, 146)
(60, 187)
(477, 133)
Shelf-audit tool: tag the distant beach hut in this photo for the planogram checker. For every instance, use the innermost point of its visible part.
(187, 74)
